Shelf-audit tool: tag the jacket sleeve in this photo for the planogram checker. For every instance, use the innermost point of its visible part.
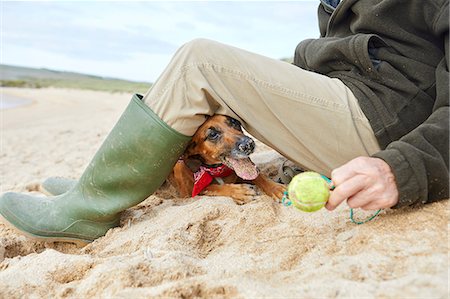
(420, 160)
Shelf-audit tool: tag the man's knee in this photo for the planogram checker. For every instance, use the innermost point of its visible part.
(200, 48)
(200, 44)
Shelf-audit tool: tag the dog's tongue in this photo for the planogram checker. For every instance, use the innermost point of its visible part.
(244, 168)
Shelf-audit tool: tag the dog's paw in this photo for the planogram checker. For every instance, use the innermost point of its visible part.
(243, 193)
(277, 191)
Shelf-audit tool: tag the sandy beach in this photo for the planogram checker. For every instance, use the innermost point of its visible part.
(203, 247)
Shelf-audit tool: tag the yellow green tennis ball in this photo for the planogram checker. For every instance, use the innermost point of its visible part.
(308, 191)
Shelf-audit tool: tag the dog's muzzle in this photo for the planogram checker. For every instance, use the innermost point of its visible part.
(244, 146)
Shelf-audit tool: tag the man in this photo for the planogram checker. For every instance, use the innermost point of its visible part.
(367, 103)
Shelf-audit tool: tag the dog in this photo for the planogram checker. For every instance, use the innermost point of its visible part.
(219, 150)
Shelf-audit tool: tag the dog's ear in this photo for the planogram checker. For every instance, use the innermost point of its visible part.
(234, 123)
(193, 162)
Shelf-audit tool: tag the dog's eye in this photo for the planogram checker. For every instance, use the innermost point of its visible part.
(213, 135)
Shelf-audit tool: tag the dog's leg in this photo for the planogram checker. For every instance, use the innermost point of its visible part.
(241, 193)
(271, 188)
(183, 179)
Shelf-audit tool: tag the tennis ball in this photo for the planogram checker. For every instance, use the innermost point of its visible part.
(308, 191)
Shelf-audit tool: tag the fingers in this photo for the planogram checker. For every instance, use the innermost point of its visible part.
(371, 206)
(345, 190)
(343, 173)
(365, 200)
(366, 183)
(380, 203)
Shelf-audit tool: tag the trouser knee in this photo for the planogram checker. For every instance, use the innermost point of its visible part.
(197, 50)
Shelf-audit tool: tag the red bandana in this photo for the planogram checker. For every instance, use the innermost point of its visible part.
(205, 175)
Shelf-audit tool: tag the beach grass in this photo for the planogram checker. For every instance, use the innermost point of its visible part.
(111, 85)
(13, 76)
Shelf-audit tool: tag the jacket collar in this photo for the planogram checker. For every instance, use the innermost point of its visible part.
(330, 5)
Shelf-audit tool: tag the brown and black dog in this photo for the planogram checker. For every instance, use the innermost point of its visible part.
(219, 148)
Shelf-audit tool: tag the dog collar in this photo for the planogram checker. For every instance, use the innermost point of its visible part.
(205, 175)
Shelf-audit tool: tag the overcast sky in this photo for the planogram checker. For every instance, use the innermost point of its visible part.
(135, 40)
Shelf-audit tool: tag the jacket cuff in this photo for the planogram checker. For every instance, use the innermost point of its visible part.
(407, 183)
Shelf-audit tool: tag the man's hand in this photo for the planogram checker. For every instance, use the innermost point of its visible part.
(366, 183)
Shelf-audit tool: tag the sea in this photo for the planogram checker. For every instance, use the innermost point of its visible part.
(8, 101)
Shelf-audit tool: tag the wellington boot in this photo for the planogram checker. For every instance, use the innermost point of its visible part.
(133, 161)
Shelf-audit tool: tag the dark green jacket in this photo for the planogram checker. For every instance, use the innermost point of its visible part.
(393, 55)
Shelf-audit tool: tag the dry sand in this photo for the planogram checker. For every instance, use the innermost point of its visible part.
(204, 247)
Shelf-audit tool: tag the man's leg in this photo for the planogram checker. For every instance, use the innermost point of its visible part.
(312, 119)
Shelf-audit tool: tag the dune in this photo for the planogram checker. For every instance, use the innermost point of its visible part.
(202, 247)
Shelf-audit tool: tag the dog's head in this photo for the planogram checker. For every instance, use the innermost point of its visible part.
(221, 140)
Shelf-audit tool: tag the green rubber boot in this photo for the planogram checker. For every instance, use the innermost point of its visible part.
(131, 164)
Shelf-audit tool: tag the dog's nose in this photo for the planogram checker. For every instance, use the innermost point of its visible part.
(246, 145)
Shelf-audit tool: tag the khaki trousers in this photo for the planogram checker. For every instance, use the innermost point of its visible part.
(309, 118)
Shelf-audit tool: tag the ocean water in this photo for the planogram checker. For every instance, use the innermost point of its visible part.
(8, 102)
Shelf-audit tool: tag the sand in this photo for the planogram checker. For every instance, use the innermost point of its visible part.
(205, 247)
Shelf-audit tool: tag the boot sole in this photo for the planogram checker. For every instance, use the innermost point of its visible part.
(79, 242)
